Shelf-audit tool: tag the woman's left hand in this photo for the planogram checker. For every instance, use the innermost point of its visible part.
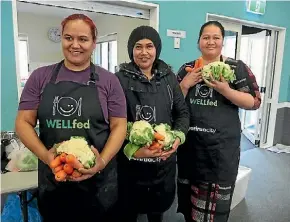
(88, 173)
(220, 86)
(167, 154)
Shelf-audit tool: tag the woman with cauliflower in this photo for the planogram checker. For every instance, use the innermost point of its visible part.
(158, 121)
(79, 106)
(214, 87)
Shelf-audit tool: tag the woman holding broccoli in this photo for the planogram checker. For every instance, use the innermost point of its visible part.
(153, 95)
(208, 161)
(74, 98)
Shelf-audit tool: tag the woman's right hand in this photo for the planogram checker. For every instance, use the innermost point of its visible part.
(50, 156)
(145, 152)
(192, 78)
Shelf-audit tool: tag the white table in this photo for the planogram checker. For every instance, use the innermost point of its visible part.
(19, 182)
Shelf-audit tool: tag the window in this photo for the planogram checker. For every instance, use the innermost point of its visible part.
(23, 59)
(106, 55)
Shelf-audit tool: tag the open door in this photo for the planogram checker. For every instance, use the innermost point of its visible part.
(254, 47)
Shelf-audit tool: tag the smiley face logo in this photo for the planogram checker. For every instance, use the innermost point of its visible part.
(67, 106)
(146, 113)
(203, 91)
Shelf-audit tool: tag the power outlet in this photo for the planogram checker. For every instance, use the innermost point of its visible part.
(176, 43)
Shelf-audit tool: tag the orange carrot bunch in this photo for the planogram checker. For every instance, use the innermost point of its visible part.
(64, 166)
(197, 64)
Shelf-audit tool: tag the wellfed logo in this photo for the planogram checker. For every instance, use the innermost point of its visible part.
(67, 107)
(199, 129)
(67, 124)
(203, 91)
(146, 113)
(205, 95)
(203, 102)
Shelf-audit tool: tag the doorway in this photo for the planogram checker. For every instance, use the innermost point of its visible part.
(256, 45)
(46, 51)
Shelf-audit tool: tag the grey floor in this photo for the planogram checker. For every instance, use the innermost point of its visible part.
(268, 194)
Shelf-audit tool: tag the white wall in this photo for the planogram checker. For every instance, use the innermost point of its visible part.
(43, 51)
(123, 26)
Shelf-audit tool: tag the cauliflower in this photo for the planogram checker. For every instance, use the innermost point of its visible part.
(78, 147)
(217, 68)
(169, 138)
(141, 133)
(169, 135)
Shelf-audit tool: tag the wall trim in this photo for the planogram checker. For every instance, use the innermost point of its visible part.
(283, 105)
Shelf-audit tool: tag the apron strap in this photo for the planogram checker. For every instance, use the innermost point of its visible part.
(93, 75)
(221, 58)
(55, 72)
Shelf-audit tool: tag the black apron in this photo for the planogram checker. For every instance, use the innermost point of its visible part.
(211, 151)
(73, 109)
(153, 178)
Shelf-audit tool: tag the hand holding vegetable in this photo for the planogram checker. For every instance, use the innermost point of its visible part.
(211, 71)
(145, 152)
(167, 154)
(214, 71)
(146, 140)
(221, 86)
(192, 77)
(71, 156)
(88, 173)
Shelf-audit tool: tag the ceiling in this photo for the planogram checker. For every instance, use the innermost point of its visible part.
(51, 10)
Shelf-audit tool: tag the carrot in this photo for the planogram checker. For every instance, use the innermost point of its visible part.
(68, 169)
(60, 175)
(198, 63)
(58, 168)
(155, 145)
(55, 163)
(70, 159)
(158, 136)
(76, 174)
(73, 161)
(63, 157)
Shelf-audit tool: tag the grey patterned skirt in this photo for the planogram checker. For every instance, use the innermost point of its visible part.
(204, 202)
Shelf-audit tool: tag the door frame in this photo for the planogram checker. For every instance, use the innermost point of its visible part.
(130, 8)
(108, 8)
(277, 73)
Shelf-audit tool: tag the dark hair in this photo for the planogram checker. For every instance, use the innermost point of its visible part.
(84, 18)
(215, 23)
